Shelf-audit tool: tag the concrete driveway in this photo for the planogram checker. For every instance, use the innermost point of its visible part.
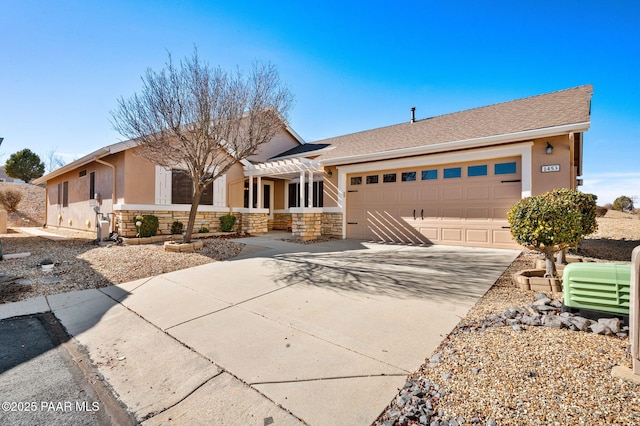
(325, 333)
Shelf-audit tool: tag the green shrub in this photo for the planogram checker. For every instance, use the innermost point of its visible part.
(149, 225)
(203, 230)
(553, 221)
(177, 227)
(227, 222)
(9, 199)
(623, 204)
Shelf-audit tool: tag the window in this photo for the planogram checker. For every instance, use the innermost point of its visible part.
(429, 174)
(82, 173)
(452, 173)
(92, 185)
(505, 168)
(356, 180)
(65, 193)
(182, 189)
(408, 176)
(372, 179)
(318, 194)
(59, 193)
(389, 177)
(476, 171)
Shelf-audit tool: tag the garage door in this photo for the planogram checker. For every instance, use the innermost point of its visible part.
(457, 204)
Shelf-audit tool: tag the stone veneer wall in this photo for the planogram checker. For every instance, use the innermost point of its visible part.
(126, 223)
(306, 226)
(254, 223)
(282, 221)
(332, 224)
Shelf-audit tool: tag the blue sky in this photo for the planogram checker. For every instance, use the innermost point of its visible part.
(351, 65)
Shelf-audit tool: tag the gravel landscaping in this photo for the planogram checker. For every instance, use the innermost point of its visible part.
(512, 360)
(80, 264)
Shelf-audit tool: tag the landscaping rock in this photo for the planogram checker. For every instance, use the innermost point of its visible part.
(612, 324)
(539, 296)
(581, 323)
(598, 328)
(542, 301)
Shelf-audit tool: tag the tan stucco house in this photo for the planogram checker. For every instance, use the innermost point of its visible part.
(448, 179)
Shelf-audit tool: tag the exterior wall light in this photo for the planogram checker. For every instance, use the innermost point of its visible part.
(329, 172)
(549, 148)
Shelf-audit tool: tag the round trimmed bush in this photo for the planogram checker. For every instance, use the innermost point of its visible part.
(177, 227)
(149, 227)
(227, 222)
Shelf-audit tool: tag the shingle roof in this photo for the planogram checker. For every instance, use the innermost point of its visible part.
(301, 149)
(570, 106)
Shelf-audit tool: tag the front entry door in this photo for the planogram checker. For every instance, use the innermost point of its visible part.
(267, 196)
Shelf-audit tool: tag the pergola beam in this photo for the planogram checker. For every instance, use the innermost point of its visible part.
(282, 167)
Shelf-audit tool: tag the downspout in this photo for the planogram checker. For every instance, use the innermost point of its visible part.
(113, 194)
(46, 206)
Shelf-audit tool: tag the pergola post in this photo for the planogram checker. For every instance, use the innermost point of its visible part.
(259, 185)
(301, 188)
(250, 204)
(310, 194)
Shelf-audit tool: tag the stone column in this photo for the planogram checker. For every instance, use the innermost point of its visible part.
(306, 226)
(254, 223)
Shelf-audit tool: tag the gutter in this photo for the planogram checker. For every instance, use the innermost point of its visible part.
(71, 166)
(457, 145)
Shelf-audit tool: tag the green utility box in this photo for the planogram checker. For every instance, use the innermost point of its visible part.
(599, 287)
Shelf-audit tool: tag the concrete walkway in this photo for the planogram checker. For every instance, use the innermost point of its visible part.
(39, 232)
(325, 333)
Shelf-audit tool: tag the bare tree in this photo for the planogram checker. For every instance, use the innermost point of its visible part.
(203, 120)
(52, 160)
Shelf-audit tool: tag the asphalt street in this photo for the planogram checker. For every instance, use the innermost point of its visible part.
(46, 380)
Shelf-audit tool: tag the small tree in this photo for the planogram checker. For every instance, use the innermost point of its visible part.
(623, 204)
(553, 222)
(25, 165)
(202, 120)
(53, 161)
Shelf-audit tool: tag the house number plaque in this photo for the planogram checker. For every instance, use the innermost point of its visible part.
(551, 168)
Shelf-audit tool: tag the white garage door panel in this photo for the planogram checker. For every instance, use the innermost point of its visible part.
(390, 196)
(430, 233)
(452, 193)
(465, 211)
(429, 194)
(409, 195)
(453, 235)
(478, 236)
(478, 192)
(507, 191)
(478, 213)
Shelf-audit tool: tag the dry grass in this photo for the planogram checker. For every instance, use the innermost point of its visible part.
(617, 235)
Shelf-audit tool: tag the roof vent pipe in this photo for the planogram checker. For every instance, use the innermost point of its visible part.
(413, 114)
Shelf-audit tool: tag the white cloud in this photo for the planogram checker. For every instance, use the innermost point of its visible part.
(609, 186)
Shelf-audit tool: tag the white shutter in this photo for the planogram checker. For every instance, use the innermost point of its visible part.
(163, 185)
(220, 191)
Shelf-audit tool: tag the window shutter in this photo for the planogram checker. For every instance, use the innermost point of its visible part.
(163, 185)
(220, 191)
